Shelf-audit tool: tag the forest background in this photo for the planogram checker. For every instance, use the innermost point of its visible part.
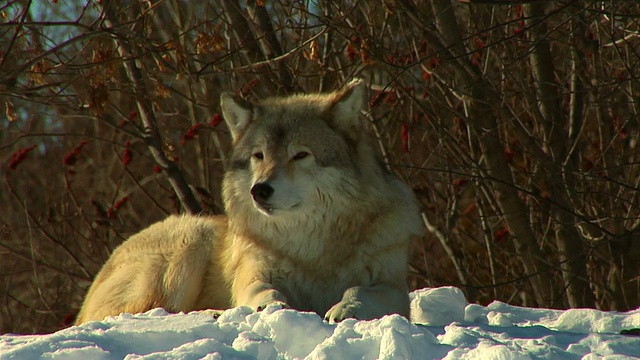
(515, 122)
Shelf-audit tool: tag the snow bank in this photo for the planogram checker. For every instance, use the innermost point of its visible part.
(444, 327)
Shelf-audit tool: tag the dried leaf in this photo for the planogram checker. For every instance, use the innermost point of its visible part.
(99, 98)
(365, 54)
(37, 70)
(11, 115)
(312, 54)
(162, 91)
(208, 42)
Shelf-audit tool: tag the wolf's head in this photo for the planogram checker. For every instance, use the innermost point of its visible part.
(294, 156)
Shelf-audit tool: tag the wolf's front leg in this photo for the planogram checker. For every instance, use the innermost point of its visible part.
(259, 295)
(250, 288)
(372, 302)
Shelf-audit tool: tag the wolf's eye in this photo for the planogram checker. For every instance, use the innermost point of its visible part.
(258, 155)
(300, 155)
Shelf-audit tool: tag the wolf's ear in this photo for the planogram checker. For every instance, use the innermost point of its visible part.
(346, 108)
(236, 112)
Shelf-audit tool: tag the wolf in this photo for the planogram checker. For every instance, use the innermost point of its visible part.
(314, 221)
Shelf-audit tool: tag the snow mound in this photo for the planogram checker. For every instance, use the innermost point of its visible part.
(443, 326)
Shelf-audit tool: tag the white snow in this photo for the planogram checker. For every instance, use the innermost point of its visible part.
(444, 326)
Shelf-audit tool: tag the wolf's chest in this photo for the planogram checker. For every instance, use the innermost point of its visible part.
(317, 288)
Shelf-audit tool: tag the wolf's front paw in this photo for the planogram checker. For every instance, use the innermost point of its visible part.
(280, 304)
(208, 312)
(345, 309)
(268, 297)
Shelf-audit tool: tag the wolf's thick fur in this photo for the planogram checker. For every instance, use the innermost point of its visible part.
(314, 222)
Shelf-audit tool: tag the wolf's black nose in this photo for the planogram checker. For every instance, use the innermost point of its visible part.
(261, 192)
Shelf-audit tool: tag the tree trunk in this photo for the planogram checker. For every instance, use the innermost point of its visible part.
(571, 251)
(148, 118)
(480, 97)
